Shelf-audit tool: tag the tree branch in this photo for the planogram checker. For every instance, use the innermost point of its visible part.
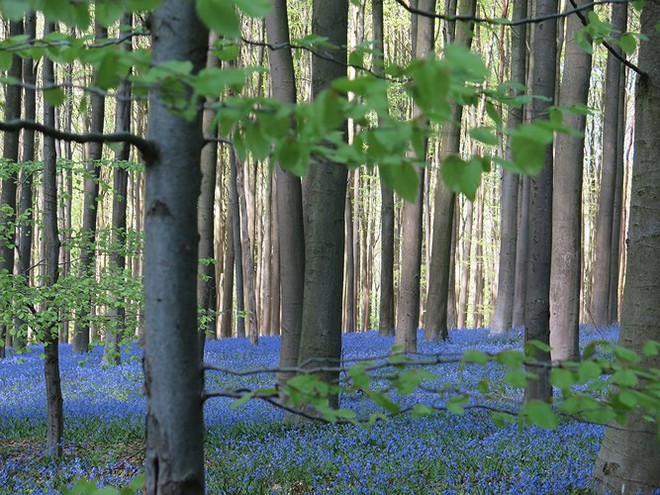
(147, 148)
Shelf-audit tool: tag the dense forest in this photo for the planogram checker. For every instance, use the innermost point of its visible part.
(359, 218)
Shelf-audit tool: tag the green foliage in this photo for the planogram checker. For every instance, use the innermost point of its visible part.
(84, 487)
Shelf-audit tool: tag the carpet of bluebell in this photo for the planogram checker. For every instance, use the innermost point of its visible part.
(257, 449)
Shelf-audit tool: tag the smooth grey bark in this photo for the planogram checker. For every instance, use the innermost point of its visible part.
(25, 229)
(504, 305)
(350, 248)
(82, 324)
(566, 258)
(443, 219)
(248, 266)
(55, 416)
(235, 216)
(325, 194)
(10, 141)
(386, 304)
(289, 204)
(226, 329)
(604, 257)
(117, 257)
(630, 455)
(275, 289)
(408, 304)
(173, 376)
(464, 285)
(522, 248)
(206, 283)
(537, 289)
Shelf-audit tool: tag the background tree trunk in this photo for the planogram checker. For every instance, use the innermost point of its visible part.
(289, 202)
(504, 305)
(537, 291)
(565, 266)
(173, 376)
(117, 314)
(10, 154)
(411, 249)
(604, 262)
(629, 457)
(82, 325)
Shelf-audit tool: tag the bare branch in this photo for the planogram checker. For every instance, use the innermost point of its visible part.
(147, 148)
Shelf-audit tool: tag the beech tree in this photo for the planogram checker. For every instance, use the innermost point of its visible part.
(630, 454)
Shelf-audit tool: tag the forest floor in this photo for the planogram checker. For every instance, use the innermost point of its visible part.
(256, 449)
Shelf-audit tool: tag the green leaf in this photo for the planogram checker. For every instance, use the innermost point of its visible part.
(589, 370)
(460, 176)
(107, 12)
(255, 8)
(421, 410)
(494, 114)
(54, 96)
(483, 386)
(477, 357)
(220, 16)
(456, 405)
(14, 9)
(626, 378)
(402, 178)
(512, 359)
(562, 379)
(5, 60)
(385, 402)
(516, 378)
(485, 135)
(541, 414)
(359, 376)
(141, 5)
(626, 355)
(651, 348)
(528, 147)
(628, 399)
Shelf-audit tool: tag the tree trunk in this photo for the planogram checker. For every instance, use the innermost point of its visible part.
(604, 261)
(173, 377)
(408, 307)
(235, 215)
(90, 210)
(630, 455)
(289, 201)
(349, 266)
(566, 269)
(226, 329)
(504, 306)
(320, 342)
(10, 154)
(386, 308)
(275, 289)
(464, 287)
(117, 314)
(522, 249)
(55, 419)
(248, 265)
(25, 229)
(206, 283)
(537, 291)
(442, 253)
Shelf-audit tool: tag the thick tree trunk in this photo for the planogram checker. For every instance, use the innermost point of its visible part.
(173, 375)
(289, 202)
(206, 283)
(537, 291)
(10, 154)
(407, 320)
(325, 194)
(566, 269)
(604, 261)
(90, 209)
(504, 306)
(629, 457)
